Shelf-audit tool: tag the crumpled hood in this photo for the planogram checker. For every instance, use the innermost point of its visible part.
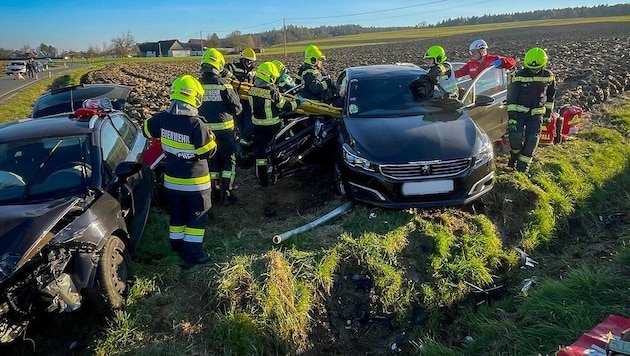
(25, 226)
(413, 138)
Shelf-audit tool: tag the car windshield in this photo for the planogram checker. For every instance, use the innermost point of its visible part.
(44, 169)
(384, 97)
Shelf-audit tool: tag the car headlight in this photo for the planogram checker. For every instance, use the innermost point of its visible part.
(353, 159)
(485, 154)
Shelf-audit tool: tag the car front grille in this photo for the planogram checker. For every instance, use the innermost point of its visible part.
(425, 169)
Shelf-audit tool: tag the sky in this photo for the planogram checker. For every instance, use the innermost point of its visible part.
(77, 24)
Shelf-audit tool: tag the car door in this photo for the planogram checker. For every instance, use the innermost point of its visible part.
(485, 99)
(121, 141)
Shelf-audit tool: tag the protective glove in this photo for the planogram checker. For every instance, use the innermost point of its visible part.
(511, 127)
(545, 120)
(497, 63)
(300, 100)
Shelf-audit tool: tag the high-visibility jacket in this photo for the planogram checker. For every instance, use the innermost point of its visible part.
(316, 85)
(267, 103)
(187, 144)
(220, 101)
(473, 68)
(531, 92)
(238, 71)
(443, 75)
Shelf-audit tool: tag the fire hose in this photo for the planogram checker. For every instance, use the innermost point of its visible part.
(308, 107)
(298, 230)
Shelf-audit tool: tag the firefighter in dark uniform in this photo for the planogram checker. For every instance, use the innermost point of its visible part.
(187, 143)
(285, 83)
(243, 71)
(317, 83)
(220, 103)
(267, 103)
(530, 104)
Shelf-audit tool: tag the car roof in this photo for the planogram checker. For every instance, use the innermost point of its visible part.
(51, 126)
(66, 100)
(383, 70)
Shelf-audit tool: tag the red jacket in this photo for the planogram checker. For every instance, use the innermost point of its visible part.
(473, 68)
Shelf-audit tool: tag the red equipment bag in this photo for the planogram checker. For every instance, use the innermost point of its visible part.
(594, 342)
(153, 154)
(563, 126)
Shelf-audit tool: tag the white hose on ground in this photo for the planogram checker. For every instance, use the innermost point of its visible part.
(298, 230)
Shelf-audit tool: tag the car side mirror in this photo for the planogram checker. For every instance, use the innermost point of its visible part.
(126, 169)
(483, 100)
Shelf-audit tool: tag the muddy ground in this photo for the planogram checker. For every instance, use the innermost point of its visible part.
(591, 63)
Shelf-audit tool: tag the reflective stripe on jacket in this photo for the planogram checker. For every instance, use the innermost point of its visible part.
(532, 92)
(220, 101)
(187, 144)
(314, 83)
(266, 104)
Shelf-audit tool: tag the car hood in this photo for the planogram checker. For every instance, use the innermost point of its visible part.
(24, 230)
(441, 136)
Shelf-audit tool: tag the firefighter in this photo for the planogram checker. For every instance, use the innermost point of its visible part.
(317, 84)
(530, 104)
(480, 60)
(220, 104)
(267, 103)
(187, 144)
(440, 72)
(243, 71)
(285, 82)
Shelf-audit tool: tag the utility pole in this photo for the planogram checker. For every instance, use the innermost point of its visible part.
(284, 29)
(201, 43)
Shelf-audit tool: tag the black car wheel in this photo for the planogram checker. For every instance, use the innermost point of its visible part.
(111, 285)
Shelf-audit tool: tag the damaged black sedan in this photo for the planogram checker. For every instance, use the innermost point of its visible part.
(74, 200)
(392, 149)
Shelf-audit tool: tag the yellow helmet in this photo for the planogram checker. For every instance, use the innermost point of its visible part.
(535, 58)
(268, 72)
(214, 58)
(281, 68)
(437, 53)
(248, 53)
(312, 54)
(187, 89)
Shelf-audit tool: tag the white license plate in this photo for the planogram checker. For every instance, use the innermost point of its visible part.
(428, 187)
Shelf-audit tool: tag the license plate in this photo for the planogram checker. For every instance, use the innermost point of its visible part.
(428, 187)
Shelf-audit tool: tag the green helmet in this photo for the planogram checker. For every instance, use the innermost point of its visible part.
(312, 54)
(214, 58)
(280, 66)
(437, 53)
(535, 58)
(268, 72)
(187, 89)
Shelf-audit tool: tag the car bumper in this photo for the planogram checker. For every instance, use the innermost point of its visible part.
(376, 189)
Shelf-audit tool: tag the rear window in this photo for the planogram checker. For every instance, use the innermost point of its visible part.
(69, 99)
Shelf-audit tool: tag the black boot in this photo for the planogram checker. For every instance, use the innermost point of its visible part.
(512, 161)
(176, 245)
(193, 254)
(229, 198)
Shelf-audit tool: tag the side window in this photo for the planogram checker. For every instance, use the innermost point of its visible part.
(491, 82)
(114, 150)
(126, 129)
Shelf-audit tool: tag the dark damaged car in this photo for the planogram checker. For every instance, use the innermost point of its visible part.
(395, 150)
(74, 200)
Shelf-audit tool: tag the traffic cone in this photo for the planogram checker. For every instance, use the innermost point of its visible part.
(19, 76)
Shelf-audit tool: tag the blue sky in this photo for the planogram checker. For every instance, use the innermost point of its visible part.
(78, 24)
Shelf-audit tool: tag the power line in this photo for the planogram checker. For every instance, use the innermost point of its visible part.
(368, 12)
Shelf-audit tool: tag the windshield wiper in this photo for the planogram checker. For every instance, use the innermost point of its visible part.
(29, 184)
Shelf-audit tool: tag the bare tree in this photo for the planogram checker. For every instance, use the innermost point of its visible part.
(124, 45)
(213, 41)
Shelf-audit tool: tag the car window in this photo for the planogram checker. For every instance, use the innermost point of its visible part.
(382, 97)
(126, 129)
(113, 148)
(491, 82)
(44, 168)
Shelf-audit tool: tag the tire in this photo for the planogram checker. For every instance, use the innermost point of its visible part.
(111, 285)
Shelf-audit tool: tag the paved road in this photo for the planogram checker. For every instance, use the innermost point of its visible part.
(9, 86)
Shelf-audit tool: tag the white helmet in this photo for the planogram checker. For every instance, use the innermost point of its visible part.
(478, 44)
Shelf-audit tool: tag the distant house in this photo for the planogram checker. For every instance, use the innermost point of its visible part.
(167, 48)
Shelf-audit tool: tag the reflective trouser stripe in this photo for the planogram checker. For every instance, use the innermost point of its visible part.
(515, 152)
(261, 162)
(176, 232)
(525, 109)
(226, 174)
(214, 175)
(524, 158)
(193, 235)
(187, 184)
(266, 122)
